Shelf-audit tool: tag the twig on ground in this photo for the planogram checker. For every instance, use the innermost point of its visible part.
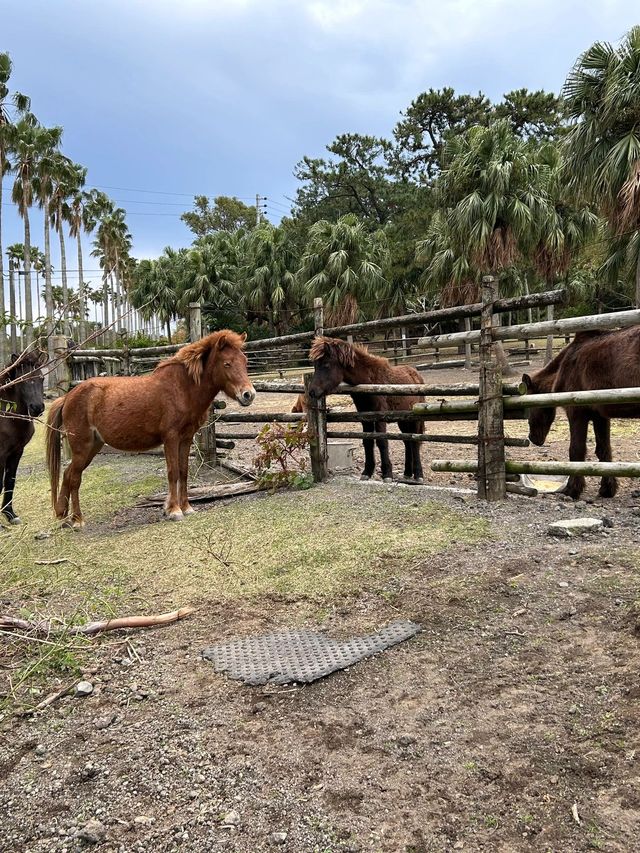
(46, 628)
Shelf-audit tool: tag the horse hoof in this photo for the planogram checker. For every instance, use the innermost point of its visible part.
(77, 524)
(364, 477)
(188, 511)
(15, 520)
(419, 480)
(387, 479)
(178, 515)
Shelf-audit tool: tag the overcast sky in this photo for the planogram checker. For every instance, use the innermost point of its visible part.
(162, 99)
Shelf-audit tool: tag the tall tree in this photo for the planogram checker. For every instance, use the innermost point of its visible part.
(64, 181)
(43, 187)
(602, 147)
(99, 206)
(20, 104)
(31, 143)
(271, 266)
(77, 213)
(227, 213)
(344, 263)
(155, 286)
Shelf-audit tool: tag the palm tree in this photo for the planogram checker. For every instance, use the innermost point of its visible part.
(343, 263)
(15, 254)
(271, 274)
(494, 200)
(31, 142)
(20, 103)
(567, 224)
(155, 287)
(210, 271)
(64, 183)
(43, 187)
(77, 214)
(602, 148)
(99, 206)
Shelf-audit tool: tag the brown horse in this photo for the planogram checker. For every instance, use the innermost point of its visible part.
(140, 412)
(337, 361)
(21, 399)
(593, 360)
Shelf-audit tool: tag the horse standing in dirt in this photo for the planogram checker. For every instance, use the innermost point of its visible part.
(593, 360)
(141, 412)
(21, 399)
(337, 361)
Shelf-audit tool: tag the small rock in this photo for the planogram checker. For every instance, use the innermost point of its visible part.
(83, 688)
(573, 527)
(406, 740)
(40, 749)
(93, 832)
(231, 818)
(43, 534)
(143, 820)
(563, 584)
(278, 837)
(104, 722)
(607, 522)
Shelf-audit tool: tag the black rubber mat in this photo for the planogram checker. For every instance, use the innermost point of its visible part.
(300, 655)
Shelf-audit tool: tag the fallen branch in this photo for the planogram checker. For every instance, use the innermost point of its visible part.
(46, 628)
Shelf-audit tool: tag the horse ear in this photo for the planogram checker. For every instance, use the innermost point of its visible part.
(14, 357)
(527, 381)
(243, 337)
(221, 342)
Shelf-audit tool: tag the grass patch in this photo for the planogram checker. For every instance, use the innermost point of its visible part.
(315, 544)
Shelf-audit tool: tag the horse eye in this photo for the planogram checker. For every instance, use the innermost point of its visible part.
(227, 364)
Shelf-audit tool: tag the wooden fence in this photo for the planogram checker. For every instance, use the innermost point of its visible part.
(489, 402)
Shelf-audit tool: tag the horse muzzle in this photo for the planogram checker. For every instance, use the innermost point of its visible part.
(246, 397)
(35, 410)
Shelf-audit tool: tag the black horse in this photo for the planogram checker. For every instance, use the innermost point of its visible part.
(21, 399)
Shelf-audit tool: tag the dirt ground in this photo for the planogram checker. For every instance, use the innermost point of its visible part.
(510, 723)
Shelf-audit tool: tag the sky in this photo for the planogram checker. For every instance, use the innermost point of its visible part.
(163, 99)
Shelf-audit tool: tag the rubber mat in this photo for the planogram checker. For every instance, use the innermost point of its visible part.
(300, 655)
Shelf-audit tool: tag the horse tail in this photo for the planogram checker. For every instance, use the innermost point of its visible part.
(53, 446)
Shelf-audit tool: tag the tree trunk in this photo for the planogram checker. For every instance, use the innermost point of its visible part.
(3, 333)
(105, 307)
(48, 289)
(169, 331)
(63, 269)
(82, 330)
(12, 307)
(28, 307)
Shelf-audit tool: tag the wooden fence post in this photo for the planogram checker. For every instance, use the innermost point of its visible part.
(549, 351)
(467, 345)
(491, 459)
(195, 321)
(62, 368)
(206, 435)
(317, 431)
(318, 317)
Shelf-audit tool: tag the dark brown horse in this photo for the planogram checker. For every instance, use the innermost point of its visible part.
(593, 360)
(21, 399)
(337, 361)
(137, 413)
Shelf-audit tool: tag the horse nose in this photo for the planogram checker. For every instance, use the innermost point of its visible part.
(36, 409)
(248, 396)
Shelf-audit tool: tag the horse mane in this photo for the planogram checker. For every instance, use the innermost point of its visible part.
(193, 356)
(359, 361)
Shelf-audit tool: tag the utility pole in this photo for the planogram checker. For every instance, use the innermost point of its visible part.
(261, 207)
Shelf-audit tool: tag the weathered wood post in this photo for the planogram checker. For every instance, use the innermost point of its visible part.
(61, 367)
(467, 345)
(195, 321)
(549, 351)
(317, 410)
(491, 459)
(206, 436)
(318, 317)
(317, 431)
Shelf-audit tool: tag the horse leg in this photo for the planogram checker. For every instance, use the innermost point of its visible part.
(172, 457)
(602, 430)
(578, 426)
(383, 449)
(183, 451)
(369, 458)
(73, 478)
(10, 470)
(412, 462)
